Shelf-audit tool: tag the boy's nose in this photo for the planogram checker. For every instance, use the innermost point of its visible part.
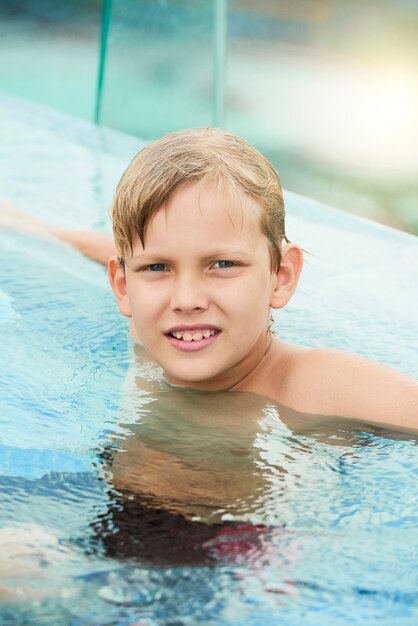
(188, 294)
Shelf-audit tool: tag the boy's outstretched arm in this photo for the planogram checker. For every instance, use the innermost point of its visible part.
(96, 245)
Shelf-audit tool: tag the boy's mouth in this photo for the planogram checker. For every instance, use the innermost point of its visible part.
(193, 335)
(192, 338)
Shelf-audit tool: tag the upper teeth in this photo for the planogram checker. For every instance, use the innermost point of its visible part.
(186, 336)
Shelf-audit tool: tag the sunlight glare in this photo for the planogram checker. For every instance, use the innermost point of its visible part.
(381, 129)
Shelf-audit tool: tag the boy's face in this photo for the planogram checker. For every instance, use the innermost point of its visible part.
(200, 290)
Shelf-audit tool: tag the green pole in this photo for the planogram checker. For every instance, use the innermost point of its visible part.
(104, 35)
(219, 61)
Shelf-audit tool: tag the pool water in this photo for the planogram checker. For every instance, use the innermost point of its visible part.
(126, 501)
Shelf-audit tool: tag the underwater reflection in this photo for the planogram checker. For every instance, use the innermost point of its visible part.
(200, 477)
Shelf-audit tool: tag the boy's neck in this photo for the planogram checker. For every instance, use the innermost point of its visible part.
(258, 365)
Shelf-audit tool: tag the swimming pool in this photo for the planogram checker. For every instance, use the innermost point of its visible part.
(323, 530)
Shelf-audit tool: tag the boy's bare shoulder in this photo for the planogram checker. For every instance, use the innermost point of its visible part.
(334, 382)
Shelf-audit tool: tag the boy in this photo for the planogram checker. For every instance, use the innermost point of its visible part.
(198, 260)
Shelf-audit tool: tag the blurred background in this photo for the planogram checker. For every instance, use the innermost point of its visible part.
(327, 89)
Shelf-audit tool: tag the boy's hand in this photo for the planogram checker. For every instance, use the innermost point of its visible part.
(93, 244)
(13, 218)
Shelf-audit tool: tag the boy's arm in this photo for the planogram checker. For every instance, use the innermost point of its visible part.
(96, 245)
(352, 386)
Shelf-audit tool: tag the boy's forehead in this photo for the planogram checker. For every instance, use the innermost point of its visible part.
(205, 215)
(208, 201)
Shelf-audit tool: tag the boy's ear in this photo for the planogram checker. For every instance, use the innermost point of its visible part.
(117, 279)
(287, 277)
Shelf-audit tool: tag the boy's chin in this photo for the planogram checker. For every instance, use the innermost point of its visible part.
(204, 380)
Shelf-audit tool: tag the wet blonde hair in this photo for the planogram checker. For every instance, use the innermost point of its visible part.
(190, 156)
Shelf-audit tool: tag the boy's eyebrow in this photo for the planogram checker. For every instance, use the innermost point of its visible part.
(225, 252)
(216, 252)
(141, 255)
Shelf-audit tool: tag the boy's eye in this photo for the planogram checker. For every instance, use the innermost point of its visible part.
(156, 267)
(223, 264)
